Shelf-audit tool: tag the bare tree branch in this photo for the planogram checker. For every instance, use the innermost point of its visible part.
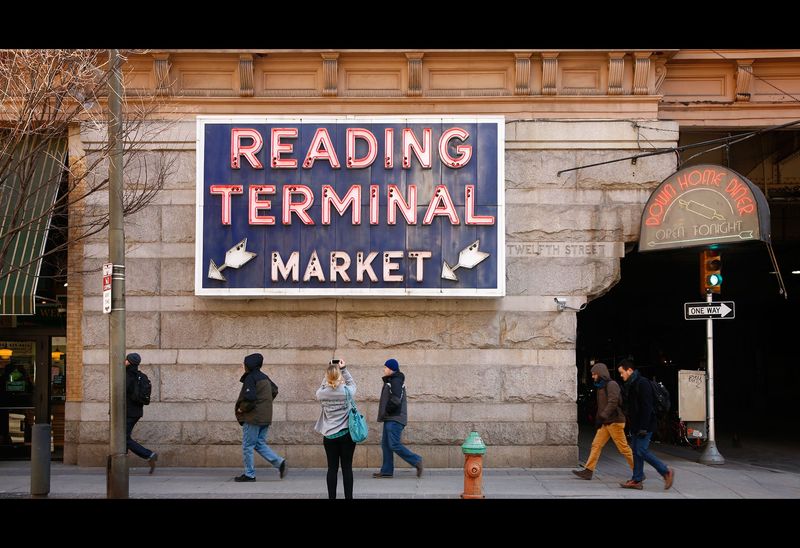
(42, 94)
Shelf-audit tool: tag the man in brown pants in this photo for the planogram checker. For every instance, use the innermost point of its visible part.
(610, 421)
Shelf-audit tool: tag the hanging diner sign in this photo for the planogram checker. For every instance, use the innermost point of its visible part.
(350, 206)
(704, 205)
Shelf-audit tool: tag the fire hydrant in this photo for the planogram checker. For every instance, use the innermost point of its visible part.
(473, 449)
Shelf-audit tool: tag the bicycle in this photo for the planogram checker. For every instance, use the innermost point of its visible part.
(673, 430)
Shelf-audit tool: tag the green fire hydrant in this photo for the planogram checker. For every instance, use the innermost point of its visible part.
(473, 449)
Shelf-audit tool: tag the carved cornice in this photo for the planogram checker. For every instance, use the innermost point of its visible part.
(641, 72)
(660, 73)
(549, 73)
(523, 70)
(246, 75)
(330, 71)
(161, 66)
(414, 74)
(616, 70)
(744, 79)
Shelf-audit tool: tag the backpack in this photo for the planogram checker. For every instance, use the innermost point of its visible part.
(661, 401)
(142, 389)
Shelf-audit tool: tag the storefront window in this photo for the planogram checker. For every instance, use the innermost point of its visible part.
(17, 380)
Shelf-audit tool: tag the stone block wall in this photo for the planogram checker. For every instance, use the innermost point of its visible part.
(504, 367)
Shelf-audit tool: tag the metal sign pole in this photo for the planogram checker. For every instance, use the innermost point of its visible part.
(710, 454)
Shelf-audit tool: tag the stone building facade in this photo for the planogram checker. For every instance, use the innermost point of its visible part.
(502, 366)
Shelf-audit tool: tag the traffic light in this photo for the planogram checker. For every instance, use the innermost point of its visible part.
(710, 271)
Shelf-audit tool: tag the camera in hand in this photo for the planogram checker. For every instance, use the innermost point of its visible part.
(336, 361)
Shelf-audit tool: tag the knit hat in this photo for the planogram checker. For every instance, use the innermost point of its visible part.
(392, 364)
(253, 361)
(134, 358)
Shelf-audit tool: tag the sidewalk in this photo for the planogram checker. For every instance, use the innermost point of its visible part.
(692, 480)
(756, 470)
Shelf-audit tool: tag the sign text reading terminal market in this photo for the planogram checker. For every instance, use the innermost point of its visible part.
(350, 205)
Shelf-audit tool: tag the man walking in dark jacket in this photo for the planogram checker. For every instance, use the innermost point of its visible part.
(134, 410)
(393, 412)
(639, 395)
(254, 413)
(610, 421)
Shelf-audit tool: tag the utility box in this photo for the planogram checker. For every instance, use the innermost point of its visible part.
(692, 395)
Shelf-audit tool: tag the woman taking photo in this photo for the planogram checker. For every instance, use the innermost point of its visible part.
(332, 424)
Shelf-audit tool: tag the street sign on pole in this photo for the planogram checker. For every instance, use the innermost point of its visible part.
(107, 269)
(721, 310)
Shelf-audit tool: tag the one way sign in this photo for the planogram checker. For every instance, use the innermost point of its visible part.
(722, 310)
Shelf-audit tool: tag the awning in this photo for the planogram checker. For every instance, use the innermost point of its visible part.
(27, 194)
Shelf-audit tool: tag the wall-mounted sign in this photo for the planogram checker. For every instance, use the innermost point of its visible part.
(704, 205)
(350, 206)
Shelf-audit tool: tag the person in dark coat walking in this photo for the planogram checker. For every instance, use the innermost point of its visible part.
(254, 413)
(134, 410)
(393, 413)
(609, 419)
(643, 422)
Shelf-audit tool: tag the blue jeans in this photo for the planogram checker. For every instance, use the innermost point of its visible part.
(390, 442)
(255, 437)
(641, 454)
(138, 449)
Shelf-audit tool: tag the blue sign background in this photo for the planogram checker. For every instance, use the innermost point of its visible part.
(442, 239)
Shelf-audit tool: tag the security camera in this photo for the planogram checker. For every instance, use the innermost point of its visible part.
(561, 305)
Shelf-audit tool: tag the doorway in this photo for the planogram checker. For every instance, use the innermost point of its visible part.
(32, 390)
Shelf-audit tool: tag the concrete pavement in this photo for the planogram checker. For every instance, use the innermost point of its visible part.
(734, 480)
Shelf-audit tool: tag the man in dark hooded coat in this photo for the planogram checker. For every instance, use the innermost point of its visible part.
(254, 413)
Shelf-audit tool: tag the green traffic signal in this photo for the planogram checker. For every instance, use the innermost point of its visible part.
(710, 271)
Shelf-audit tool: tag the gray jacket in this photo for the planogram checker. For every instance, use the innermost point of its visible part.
(393, 405)
(334, 413)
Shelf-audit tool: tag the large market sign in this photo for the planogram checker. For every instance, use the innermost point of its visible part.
(350, 206)
(701, 206)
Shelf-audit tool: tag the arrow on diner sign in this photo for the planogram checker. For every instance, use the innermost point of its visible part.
(743, 235)
(469, 257)
(234, 258)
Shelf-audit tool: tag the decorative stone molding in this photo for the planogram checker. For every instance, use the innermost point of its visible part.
(660, 72)
(330, 71)
(523, 70)
(549, 73)
(744, 79)
(414, 74)
(641, 72)
(161, 66)
(616, 70)
(246, 75)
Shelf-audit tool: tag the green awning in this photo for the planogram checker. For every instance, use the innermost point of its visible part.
(28, 191)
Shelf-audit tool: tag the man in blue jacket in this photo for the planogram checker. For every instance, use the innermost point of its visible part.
(393, 413)
(642, 416)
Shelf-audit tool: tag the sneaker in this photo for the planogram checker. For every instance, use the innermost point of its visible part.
(419, 469)
(585, 474)
(244, 477)
(152, 461)
(630, 484)
(382, 475)
(669, 477)
(282, 469)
